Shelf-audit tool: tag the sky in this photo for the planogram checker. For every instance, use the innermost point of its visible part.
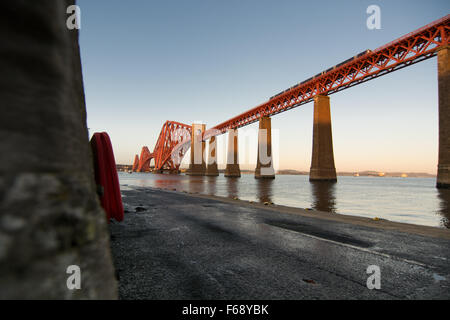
(145, 62)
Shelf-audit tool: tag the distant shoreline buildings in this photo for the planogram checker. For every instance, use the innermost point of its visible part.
(369, 173)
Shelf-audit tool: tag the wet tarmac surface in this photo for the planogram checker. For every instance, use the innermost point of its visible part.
(172, 245)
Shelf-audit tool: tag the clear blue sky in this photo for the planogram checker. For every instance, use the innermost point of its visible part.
(146, 62)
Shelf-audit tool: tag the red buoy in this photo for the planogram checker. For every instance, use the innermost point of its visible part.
(106, 176)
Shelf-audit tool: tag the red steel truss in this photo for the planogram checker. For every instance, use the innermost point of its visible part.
(172, 133)
(414, 47)
(144, 160)
(136, 163)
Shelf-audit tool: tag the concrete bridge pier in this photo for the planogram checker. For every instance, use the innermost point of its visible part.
(197, 165)
(322, 163)
(443, 174)
(232, 169)
(264, 165)
(212, 170)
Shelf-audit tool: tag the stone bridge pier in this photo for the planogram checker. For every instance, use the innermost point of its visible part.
(443, 172)
(264, 165)
(322, 163)
(232, 169)
(197, 165)
(212, 169)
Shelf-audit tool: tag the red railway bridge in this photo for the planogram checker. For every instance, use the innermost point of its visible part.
(176, 138)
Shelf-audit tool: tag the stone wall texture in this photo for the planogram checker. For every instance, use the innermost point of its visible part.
(50, 217)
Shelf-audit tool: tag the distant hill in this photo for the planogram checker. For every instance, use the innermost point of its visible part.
(292, 172)
(365, 174)
(369, 173)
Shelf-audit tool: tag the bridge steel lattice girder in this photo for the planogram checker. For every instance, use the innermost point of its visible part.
(172, 133)
(412, 48)
(409, 49)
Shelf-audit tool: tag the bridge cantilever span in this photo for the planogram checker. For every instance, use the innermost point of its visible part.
(172, 134)
(143, 164)
(419, 45)
(412, 48)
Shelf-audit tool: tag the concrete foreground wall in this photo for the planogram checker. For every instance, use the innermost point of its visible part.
(50, 217)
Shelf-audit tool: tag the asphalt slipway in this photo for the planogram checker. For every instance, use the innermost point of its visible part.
(174, 245)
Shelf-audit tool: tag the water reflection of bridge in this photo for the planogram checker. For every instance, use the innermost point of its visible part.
(322, 193)
(444, 211)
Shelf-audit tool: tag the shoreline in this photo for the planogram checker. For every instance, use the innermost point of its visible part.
(379, 223)
(289, 172)
(176, 245)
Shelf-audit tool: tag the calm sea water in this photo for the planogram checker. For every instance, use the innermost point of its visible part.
(411, 200)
